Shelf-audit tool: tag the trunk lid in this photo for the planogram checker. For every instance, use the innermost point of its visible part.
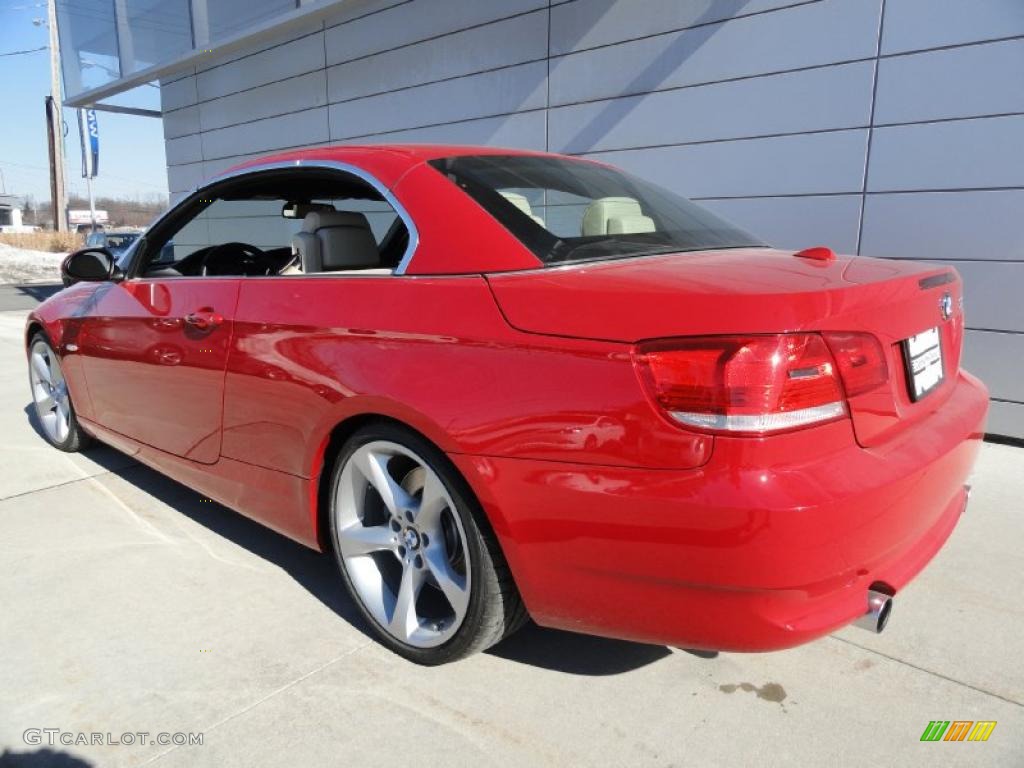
(749, 291)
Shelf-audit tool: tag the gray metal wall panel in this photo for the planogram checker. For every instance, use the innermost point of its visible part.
(945, 225)
(1006, 419)
(279, 98)
(915, 24)
(500, 44)
(296, 129)
(186, 149)
(958, 82)
(295, 58)
(817, 99)
(963, 154)
(796, 222)
(491, 93)
(181, 122)
(804, 36)
(525, 130)
(998, 359)
(584, 24)
(178, 93)
(412, 22)
(183, 178)
(992, 297)
(808, 164)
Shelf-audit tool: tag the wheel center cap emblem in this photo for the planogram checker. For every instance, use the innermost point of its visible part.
(412, 539)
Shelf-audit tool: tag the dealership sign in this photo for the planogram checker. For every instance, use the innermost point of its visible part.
(89, 133)
(81, 216)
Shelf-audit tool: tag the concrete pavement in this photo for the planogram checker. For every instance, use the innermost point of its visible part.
(25, 295)
(129, 603)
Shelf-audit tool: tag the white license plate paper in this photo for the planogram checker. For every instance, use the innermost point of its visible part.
(923, 355)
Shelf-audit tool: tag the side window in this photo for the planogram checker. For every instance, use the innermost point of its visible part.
(254, 222)
(281, 225)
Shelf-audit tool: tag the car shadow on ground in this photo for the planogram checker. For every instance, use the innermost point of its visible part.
(41, 758)
(576, 654)
(559, 651)
(39, 291)
(21, 296)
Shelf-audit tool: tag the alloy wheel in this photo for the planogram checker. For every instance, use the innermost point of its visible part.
(50, 392)
(402, 544)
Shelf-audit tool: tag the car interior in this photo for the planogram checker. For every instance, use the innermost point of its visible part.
(279, 223)
(603, 216)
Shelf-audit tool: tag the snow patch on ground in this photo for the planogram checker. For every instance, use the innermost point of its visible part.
(20, 265)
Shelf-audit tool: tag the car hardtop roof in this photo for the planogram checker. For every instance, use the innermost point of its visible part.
(407, 155)
(418, 151)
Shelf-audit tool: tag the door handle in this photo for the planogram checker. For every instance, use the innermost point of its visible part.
(203, 319)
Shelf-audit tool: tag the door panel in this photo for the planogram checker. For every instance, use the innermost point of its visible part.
(154, 354)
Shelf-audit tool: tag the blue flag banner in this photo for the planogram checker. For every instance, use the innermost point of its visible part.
(89, 132)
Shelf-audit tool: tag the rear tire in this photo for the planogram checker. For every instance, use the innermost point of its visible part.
(54, 410)
(414, 549)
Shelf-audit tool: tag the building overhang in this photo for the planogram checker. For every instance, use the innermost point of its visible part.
(91, 45)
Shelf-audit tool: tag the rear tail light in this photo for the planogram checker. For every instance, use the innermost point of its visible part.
(860, 360)
(758, 384)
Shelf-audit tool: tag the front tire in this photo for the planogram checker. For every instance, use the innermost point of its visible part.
(426, 574)
(52, 400)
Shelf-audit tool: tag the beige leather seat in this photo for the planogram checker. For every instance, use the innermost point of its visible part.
(335, 241)
(520, 202)
(615, 216)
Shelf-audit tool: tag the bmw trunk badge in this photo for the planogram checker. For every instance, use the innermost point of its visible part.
(946, 306)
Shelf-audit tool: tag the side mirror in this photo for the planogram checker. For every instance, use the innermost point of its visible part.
(89, 264)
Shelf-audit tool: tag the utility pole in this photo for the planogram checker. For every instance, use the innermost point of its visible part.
(92, 204)
(55, 123)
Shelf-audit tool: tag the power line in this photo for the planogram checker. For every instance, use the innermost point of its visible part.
(105, 175)
(21, 53)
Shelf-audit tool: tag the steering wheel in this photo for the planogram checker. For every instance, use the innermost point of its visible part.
(236, 259)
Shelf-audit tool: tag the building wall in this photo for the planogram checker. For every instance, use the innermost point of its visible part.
(886, 127)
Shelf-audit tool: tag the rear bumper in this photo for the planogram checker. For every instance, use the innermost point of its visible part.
(770, 544)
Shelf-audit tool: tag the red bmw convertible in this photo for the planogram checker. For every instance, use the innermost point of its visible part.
(499, 384)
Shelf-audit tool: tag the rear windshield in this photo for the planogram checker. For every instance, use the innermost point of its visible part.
(121, 241)
(569, 210)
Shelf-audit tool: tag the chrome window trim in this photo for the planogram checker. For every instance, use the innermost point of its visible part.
(332, 165)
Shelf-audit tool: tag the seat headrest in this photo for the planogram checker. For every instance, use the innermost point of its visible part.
(520, 202)
(315, 220)
(615, 216)
(336, 240)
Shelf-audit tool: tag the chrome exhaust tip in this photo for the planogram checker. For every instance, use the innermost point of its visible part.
(878, 612)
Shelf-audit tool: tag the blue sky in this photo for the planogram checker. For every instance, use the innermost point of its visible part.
(132, 159)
